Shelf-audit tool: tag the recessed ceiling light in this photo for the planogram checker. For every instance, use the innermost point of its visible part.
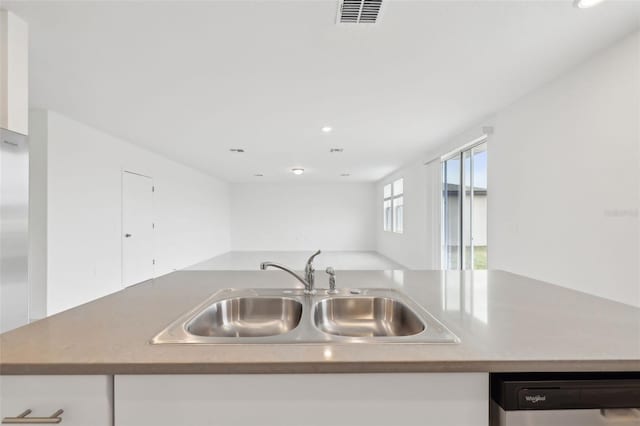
(236, 150)
(326, 129)
(297, 171)
(336, 150)
(345, 174)
(585, 4)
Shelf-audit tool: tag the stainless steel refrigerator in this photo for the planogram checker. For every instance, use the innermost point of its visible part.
(14, 230)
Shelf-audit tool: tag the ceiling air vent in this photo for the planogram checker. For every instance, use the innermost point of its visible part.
(359, 11)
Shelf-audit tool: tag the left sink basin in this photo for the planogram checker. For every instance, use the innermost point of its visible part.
(247, 317)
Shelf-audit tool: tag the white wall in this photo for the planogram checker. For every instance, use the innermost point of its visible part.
(563, 179)
(302, 216)
(84, 195)
(412, 248)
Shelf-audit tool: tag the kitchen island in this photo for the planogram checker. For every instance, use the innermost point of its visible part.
(505, 323)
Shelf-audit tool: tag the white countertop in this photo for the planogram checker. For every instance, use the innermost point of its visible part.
(505, 322)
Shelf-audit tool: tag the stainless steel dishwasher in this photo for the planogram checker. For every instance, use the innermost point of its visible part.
(578, 399)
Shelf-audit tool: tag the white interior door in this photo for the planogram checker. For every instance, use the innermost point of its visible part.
(137, 228)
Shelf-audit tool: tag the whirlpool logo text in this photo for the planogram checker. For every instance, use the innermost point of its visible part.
(534, 399)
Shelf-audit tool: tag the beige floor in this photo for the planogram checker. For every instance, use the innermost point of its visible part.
(340, 260)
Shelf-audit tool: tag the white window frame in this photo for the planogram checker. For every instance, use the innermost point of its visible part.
(391, 199)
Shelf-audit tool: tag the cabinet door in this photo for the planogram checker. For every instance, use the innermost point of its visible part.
(437, 399)
(86, 400)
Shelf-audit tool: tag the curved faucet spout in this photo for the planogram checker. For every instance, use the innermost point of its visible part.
(309, 272)
(308, 288)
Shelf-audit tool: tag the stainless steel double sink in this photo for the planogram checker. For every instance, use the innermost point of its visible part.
(286, 316)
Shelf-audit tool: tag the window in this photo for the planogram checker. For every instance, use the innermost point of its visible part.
(393, 206)
(464, 209)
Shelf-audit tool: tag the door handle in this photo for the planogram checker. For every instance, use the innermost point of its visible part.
(620, 414)
(23, 419)
(127, 235)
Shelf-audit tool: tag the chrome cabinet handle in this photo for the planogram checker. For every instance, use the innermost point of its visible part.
(127, 235)
(23, 419)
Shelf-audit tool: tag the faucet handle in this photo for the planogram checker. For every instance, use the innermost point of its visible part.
(332, 280)
(313, 256)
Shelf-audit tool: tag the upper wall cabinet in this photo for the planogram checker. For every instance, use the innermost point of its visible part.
(14, 73)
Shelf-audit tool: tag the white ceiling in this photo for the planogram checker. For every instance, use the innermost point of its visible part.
(191, 80)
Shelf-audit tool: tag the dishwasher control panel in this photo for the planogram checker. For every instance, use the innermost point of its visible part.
(565, 399)
(553, 391)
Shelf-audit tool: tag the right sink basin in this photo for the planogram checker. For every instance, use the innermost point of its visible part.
(365, 316)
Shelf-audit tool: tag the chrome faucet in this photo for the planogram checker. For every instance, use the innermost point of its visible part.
(309, 272)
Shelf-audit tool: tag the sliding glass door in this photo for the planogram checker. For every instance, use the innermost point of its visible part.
(464, 209)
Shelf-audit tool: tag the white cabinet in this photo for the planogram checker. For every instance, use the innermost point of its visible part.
(411, 399)
(425, 399)
(14, 73)
(86, 400)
